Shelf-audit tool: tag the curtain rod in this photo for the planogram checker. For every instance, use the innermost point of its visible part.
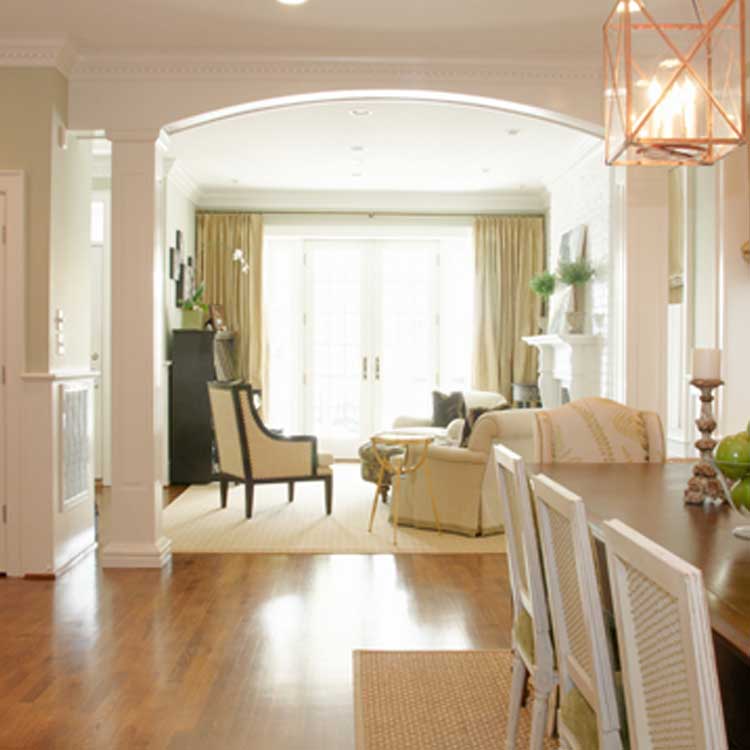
(373, 214)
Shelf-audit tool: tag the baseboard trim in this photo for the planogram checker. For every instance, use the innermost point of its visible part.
(131, 555)
(39, 576)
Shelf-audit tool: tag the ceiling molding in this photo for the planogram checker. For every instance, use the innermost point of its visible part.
(38, 52)
(184, 182)
(366, 201)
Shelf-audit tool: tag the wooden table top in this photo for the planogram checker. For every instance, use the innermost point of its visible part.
(648, 497)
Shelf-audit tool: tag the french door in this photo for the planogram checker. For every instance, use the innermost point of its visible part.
(372, 340)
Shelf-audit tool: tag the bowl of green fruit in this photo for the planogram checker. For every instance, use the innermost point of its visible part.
(732, 458)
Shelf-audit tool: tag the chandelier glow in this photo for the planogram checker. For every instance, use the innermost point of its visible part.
(675, 90)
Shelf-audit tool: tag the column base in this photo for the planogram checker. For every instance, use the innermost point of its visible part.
(133, 555)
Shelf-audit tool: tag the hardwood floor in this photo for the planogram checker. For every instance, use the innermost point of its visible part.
(226, 651)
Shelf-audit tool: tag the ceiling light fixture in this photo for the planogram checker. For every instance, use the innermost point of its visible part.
(357, 174)
(687, 108)
(358, 112)
(513, 131)
(357, 148)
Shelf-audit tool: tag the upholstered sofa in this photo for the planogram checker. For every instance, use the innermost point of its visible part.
(463, 479)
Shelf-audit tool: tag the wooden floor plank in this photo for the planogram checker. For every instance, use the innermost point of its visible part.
(226, 651)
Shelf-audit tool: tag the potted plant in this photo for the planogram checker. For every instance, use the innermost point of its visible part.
(576, 273)
(543, 285)
(193, 309)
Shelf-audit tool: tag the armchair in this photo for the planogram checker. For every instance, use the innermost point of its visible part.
(248, 452)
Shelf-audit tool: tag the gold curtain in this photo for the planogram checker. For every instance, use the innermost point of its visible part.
(218, 235)
(509, 250)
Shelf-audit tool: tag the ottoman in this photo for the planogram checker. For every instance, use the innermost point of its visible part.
(370, 466)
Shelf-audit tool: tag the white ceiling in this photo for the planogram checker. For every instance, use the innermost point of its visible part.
(401, 145)
(412, 28)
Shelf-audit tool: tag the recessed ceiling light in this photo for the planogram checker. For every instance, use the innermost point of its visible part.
(486, 170)
(291, 2)
(357, 148)
(357, 174)
(513, 131)
(359, 112)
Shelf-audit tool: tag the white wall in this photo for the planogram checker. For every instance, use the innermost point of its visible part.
(179, 214)
(582, 195)
(70, 251)
(735, 274)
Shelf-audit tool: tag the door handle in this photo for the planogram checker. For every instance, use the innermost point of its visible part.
(377, 368)
(364, 368)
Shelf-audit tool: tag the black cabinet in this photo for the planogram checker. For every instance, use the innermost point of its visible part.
(191, 436)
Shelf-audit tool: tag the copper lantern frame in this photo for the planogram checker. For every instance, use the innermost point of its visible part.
(634, 136)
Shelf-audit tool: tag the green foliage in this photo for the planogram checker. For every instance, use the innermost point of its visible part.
(575, 272)
(195, 301)
(543, 284)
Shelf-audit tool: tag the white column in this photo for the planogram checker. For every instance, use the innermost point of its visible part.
(135, 539)
(646, 268)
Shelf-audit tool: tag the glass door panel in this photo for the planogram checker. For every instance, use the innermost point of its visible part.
(335, 348)
(405, 363)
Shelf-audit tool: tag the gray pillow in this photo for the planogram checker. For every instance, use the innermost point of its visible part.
(446, 408)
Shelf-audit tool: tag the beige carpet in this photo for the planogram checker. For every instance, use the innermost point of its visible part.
(435, 700)
(195, 522)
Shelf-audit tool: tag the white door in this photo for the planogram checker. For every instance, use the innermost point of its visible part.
(3, 317)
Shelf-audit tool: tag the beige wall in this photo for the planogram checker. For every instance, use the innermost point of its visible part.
(31, 98)
(70, 251)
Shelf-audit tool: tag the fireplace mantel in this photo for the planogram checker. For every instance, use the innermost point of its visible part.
(567, 361)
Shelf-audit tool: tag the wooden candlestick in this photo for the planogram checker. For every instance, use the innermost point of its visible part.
(705, 484)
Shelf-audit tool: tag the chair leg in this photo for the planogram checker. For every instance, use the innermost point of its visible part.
(249, 487)
(514, 701)
(291, 492)
(224, 487)
(329, 495)
(539, 720)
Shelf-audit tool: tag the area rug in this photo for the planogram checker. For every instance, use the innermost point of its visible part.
(435, 700)
(195, 522)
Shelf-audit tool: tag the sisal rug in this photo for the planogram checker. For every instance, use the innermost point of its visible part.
(435, 700)
(195, 522)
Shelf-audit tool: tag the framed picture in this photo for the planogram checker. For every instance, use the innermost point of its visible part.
(180, 286)
(173, 263)
(217, 318)
(559, 304)
(572, 244)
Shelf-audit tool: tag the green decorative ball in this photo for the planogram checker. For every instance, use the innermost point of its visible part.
(733, 455)
(741, 494)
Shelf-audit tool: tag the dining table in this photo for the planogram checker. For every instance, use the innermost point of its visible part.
(649, 498)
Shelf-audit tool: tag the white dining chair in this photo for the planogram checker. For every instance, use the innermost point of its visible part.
(666, 650)
(590, 711)
(533, 655)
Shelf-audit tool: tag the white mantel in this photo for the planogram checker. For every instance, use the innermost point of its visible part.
(567, 360)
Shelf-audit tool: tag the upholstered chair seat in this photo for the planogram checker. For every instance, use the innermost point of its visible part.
(598, 430)
(248, 452)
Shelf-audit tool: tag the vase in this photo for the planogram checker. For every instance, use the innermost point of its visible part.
(192, 319)
(576, 318)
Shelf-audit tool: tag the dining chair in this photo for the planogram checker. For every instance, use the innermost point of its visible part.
(598, 430)
(533, 655)
(666, 649)
(590, 714)
(250, 453)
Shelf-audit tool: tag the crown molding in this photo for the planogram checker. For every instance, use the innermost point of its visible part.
(372, 201)
(183, 181)
(38, 52)
(100, 65)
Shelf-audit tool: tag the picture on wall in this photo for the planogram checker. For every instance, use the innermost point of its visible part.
(572, 244)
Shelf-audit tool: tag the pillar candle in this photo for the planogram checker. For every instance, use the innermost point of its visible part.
(707, 364)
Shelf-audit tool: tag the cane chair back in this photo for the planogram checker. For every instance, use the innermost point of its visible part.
(665, 643)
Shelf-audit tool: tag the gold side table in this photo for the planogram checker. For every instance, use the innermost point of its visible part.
(400, 465)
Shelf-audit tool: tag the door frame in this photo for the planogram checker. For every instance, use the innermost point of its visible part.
(13, 186)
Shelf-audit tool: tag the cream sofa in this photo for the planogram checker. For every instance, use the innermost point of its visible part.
(463, 479)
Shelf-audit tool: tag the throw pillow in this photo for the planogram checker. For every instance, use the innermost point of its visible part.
(473, 417)
(446, 408)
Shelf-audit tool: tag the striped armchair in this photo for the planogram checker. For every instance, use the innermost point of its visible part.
(248, 452)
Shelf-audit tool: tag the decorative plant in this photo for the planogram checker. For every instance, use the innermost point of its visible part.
(543, 284)
(575, 272)
(195, 301)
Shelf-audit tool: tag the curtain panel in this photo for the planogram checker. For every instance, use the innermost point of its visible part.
(509, 251)
(218, 235)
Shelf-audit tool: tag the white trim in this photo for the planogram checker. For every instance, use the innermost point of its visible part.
(381, 201)
(61, 375)
(123, 555)
(50, 51)
(12, 184)
(181, 179)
